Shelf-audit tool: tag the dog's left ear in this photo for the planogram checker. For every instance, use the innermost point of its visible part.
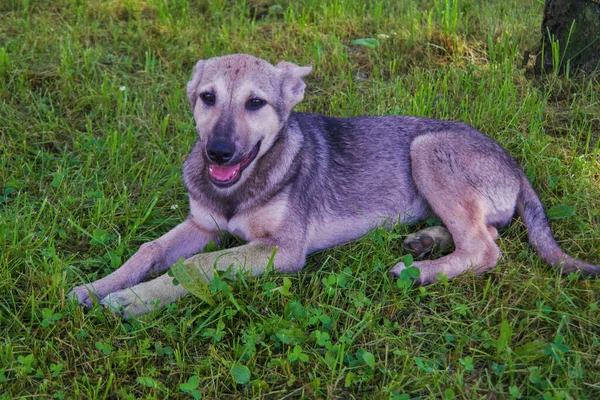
(292, 85)
(192, 85)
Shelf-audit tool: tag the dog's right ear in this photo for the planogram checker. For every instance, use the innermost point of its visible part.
(192, 85)
(292, 85)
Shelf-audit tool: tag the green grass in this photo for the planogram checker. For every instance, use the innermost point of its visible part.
(94, 126)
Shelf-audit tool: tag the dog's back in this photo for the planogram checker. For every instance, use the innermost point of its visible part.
(361, 168)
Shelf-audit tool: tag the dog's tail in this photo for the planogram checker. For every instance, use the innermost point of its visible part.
(532, 213)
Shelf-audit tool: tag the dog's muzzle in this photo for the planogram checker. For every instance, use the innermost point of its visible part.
(224, 176)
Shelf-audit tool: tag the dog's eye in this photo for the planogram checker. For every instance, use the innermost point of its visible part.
(255, 104)
(208, 98)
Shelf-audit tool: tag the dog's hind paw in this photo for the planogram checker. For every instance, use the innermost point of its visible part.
(126, 304)
(433, 239)
(397, 269)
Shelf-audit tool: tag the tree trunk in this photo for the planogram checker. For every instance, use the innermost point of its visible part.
(574, 27)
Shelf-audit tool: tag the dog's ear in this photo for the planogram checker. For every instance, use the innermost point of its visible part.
(292, 85)
(192, 85)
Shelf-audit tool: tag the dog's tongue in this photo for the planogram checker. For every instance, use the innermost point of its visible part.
(223, 174)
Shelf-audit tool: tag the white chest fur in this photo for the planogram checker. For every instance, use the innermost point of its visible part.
(260, 223)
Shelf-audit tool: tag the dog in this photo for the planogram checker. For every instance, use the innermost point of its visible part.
(299, 183)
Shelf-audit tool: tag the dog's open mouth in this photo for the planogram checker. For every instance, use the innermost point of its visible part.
(224, 176)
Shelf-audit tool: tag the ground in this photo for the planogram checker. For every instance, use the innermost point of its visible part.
(94, 126)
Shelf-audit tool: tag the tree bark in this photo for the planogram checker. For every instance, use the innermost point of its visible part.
(575, 26)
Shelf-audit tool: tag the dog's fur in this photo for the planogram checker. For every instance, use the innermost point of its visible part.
(317, 182)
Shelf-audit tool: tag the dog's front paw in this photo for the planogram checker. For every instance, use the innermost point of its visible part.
(85, 295)
(128, 303)
(428, 240)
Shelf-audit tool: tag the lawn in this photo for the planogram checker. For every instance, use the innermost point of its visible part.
(95, 125)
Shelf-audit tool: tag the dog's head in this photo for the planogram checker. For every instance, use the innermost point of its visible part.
(240, 103)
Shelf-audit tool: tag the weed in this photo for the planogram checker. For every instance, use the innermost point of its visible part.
(94, 127)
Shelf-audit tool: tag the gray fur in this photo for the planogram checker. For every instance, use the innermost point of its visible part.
(318, 181)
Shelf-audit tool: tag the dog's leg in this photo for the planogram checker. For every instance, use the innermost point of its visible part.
(474, 244)
(252, 257)
(466, 188)
(153, 257)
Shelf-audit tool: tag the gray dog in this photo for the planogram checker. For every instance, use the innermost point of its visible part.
(304, 182)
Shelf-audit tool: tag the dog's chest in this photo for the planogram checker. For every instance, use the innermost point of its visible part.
(261, 223)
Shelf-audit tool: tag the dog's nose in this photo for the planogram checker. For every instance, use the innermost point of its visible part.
(220, 152)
